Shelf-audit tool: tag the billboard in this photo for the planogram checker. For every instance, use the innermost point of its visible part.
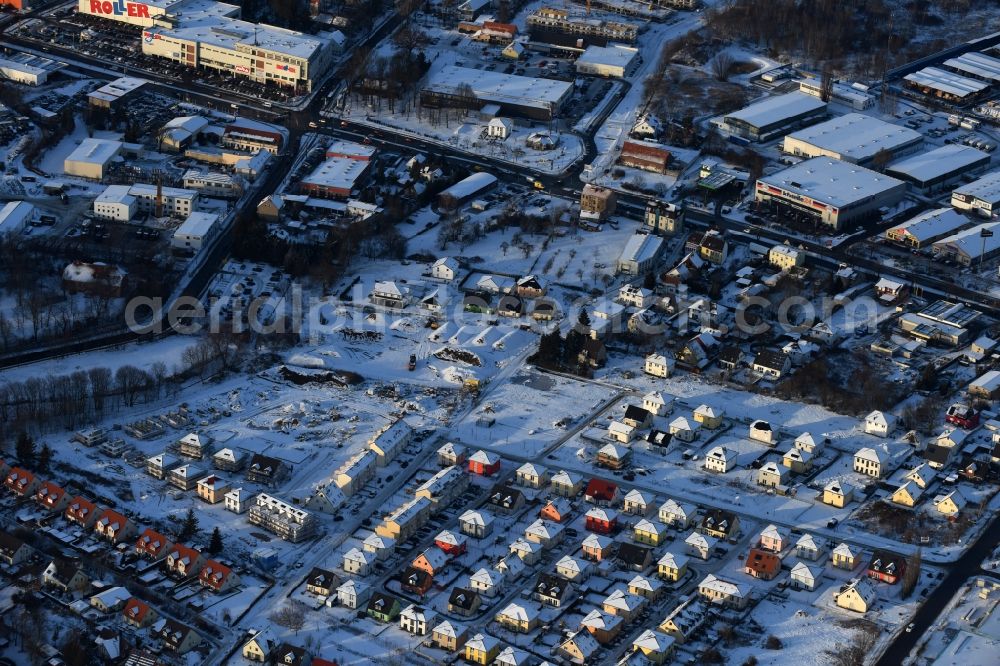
(117, 8)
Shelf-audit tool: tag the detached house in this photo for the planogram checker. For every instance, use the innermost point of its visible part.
(482, 649)
(138, 613)
(566, 484)
(613, 456)
(183, 561)
(797, 460)
(556, 510)
(708, 417)
(451, 454)
(761, 431)
(879, 424)
(859, 595)
(358, 562)
(720, 460)
(648, 588)
(809, 547)
(21, 482)
(597, 547)
(484, 463)
(152, 545)
(721, 591)
(321, 582)
(601, 492)
(771, 475)
(551, 590)
(417, 620)
(51, 497)
(353, 594)
(217, 577)
(656, 647)
(529, 552)
(433, 560)
(845, 556)
(868, 461)
(838, 494)
(81, 511)
(602, 625)
(463, 601)
(213, 489)
(658, 365)
(476, 524)
(637, 502)
(65, 576)
(452, 543)
(505, 499)
(449, 635)
(579, 648)
(573, 569)
(649, 532)
(530, 475)
(114, 527)
(886, 567)
(804, 577)
(601, 520)
(719, 524)
(12, 550)
(682, 430)
(773, 539)
(624, 605)
(676, 514)
(265, 470)
(544, 533)
(486, 582)
(178, 638)
(519, 618)
(950, 504)
(383, 607)
(672, 566)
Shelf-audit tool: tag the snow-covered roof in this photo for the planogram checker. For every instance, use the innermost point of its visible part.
(641, 248)
(673, 560)
(856, 137)
(976, 64)
(985, 189)
(830, 181)
(724, 587)
(498, 87)
(612, 55)
(470, 185)
(777, 109)
(938, 163)
(946, 82)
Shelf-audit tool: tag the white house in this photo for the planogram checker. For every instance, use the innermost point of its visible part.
(804, 577)
(445, 268)
(499, 128)
(658, 365)
(683, 430)
(879, 424)
(353, 593)
(654, 403)
(677, 515)
(720, 459)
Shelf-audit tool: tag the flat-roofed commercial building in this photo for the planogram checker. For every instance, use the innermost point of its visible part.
(773, 116)
(614, 60)
(334, 178)
(981, 196)
(154, 12)
(975, 65)
(829, 191)
(197, 231)
(115, 94)
(937, 169)
(969, 246)
(27, 68)
(91, 158)
(538, 98)
(927, 227)
(853, 137)
(262, 53)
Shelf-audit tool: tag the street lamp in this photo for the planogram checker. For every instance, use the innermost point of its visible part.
(983, 234)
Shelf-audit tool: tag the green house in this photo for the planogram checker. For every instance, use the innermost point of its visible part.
(383, 607)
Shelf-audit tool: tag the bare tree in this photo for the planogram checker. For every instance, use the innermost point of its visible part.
(722, 66)
(290, 616)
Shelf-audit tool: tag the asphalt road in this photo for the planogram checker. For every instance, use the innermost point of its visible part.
(966, 566)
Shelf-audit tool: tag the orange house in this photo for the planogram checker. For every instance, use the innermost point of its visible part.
(432, 561)
(556, 511)
(152, 545)
(51, 497)
(217, 577)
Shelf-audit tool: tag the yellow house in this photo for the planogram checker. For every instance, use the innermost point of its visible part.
(708, 417)
(655, 646)
(838, 494)
(907, 494)
(449, 636)
(482, 649)
(859, 595)
(951, 504)
(844, 557)
(259, 646)
(684, 620)
(522, 618)
(672, 566)
(649, 532)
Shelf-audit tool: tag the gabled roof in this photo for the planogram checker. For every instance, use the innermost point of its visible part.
(673, 560)
(462, 598)
(601, 490)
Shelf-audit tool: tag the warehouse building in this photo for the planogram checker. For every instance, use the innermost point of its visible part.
(641, 254)
(614, 60)
(855, 95)
(853, 137)
(941, 321)
(123, 202)
(942, 84)
(975, 65)
(927, 227)
(537, 98)
(213, 183)
(771, 117)
(465, 189)
(968, 246)
(115, 94)
(92, 158)
(251, 136)
(830, 192)
(981, 196)
(940, 168)
(199, 230)
(334, 178)
(15, 216)
(29, 69)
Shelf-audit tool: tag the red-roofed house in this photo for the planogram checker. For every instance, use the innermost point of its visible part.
(81, 511)
(21, 482)
(51, 497)
(183, 560)
(152, 545)
(600, 492)
(484, 463)
(138, 613)
(217, 577)
(113, 526)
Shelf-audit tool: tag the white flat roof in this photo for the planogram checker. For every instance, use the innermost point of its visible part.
(498, 87)
(933, 223)
(776, 109)
(641, 247)
(227, 33)
(939, 162)
(95, 151)
(350, 148)
(150, 190)
(831, 181)
(338, 172)
(119, 87)
(948, 82)
(856, 136)
(471, 185)
(970, 243)
(115, 194)
(612, 55)
(976, 64)
(986, 188)
(15, 213)
(197, 224)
